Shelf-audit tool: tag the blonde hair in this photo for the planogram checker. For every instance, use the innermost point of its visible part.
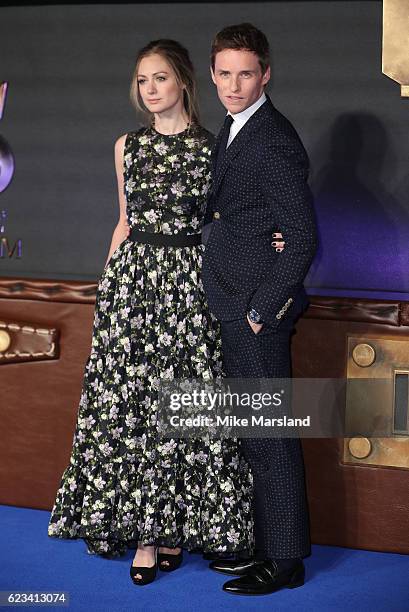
(178, 58)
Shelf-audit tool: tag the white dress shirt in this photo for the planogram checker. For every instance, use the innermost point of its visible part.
(241, 118)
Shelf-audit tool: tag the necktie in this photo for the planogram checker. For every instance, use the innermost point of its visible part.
(223, 140)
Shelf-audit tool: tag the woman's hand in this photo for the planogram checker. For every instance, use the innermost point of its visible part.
(278, 244)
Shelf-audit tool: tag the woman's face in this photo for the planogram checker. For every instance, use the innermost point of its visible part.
(157, 84)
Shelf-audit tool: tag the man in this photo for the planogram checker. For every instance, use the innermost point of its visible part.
(260, 187)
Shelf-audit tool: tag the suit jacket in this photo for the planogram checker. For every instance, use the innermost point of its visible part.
(260, 188)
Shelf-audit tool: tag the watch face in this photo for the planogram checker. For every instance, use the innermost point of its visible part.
(254, 316)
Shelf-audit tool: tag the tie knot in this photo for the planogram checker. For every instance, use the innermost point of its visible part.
(228, 121)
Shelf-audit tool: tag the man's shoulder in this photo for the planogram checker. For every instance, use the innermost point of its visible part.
(277, 129)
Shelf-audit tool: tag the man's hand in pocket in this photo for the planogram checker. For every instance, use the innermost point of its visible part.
(256, 327)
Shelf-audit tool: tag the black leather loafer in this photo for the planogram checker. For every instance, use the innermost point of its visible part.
(265, 578)
(233, 567)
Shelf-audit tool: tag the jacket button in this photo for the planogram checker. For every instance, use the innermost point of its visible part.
(216, 215)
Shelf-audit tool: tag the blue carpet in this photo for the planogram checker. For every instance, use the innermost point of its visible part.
(338, 578)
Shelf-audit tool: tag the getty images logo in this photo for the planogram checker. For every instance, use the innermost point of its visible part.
(6, 174)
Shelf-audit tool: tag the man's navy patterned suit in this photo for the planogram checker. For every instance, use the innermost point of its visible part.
(260, 187)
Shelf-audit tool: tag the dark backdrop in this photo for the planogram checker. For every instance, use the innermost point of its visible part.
(69, 70)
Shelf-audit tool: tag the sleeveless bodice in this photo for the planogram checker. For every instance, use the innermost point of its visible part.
(166, 179)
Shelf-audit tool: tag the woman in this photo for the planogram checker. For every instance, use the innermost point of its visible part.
(124, 486)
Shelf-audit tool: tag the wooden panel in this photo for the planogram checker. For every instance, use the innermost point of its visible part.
(39, 402)
(350, 505)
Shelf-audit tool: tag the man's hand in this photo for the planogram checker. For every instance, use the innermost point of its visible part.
(256, 327)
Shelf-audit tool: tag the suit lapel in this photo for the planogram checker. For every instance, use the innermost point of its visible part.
(250, 127)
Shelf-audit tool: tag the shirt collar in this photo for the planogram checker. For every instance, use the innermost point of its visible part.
(245, 115)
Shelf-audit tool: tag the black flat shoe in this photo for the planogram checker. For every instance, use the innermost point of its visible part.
(233, 567)
(147, 574)
(265, 578)
(169, 563)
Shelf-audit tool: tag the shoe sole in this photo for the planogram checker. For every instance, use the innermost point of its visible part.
(287, 586)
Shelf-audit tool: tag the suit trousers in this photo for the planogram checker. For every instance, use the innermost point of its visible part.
(280, 506)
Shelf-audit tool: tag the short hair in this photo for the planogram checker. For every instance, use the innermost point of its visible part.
(243, 36)
(178, 58)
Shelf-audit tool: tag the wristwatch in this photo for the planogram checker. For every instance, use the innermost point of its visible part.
(254, 316)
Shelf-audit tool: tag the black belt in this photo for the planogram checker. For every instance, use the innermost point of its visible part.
(179, 240)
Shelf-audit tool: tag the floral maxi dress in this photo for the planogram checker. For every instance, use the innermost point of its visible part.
(123, 483)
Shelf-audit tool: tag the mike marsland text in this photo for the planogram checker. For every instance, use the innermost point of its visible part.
(234, 421)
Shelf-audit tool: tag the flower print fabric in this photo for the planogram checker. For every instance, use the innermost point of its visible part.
(123, 483)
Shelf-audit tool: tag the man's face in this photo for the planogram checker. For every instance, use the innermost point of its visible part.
(238, 78)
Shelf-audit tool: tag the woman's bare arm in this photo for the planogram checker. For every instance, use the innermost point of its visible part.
(121, 230)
